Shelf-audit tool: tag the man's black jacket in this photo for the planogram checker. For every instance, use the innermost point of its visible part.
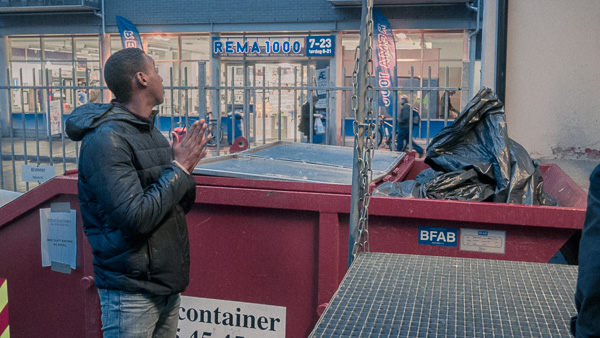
(587, 294)
(133, 201)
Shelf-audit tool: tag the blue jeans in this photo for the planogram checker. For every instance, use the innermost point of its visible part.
(138, 315)
(402, 142)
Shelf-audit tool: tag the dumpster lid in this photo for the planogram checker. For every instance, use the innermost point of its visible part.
(292, 161)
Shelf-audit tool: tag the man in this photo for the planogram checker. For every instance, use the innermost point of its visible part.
(81, 97)
(404, 128)
(305, 126)
(452, 112)
(134, 190)
(587, 293)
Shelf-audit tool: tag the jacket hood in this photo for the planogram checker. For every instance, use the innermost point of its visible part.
(90, 116)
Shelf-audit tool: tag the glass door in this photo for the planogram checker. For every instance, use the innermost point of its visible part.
(267, 96)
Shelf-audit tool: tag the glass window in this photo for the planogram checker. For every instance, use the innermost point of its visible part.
(425, 54)
(60, 49)
(87, 49)
(115, 43)
(162, 47)
(50, 61)
(28, 49)
(176, 58)
(195, 48)
(449, 45)
(407, 41)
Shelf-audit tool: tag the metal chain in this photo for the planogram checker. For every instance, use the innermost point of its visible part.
(365, 149)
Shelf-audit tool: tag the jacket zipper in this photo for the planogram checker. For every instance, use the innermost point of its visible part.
(149, 261)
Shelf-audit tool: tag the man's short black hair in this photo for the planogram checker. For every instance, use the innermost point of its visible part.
(120, 69)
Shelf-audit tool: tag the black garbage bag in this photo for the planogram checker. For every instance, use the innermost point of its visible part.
(461, 185)
(476, 156)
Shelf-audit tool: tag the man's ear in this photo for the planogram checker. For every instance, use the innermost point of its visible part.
(141, 79)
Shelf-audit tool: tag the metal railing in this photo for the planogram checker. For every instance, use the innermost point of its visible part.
(36, 115)
(21, 5)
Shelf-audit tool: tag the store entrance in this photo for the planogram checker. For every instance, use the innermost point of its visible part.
(267, 97)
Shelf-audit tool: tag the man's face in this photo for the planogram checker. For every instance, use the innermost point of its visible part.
(155, 81)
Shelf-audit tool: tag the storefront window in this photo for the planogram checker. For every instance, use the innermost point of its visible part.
(424, 55)
(176, 58)
(50, 61)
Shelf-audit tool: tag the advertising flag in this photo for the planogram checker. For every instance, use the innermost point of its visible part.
(385, 61)
(129, 34)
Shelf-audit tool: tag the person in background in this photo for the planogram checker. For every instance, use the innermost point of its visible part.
(404, 128)
(587, 294)
(81, 97)
(134, 191)
(94, 93)
(452, 112)
(305, 126)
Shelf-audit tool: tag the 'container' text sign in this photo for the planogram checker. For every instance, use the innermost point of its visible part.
(214, 318)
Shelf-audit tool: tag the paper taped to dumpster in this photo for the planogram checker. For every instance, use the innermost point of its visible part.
(475, 160)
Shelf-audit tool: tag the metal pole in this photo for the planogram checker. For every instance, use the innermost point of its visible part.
(410, 115)
(62, 119)
(428, 115)
(232, 131)
(296, 110)
(327, 115)
(11, 131)
(343, 108)
(254, 111)
(23, 123)
(359, 131)
(264, 109)
(446, 97)
(202, 90)
(279, 103)
(311, 108)
(246, 106)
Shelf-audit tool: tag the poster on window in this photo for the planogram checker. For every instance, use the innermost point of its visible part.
(321, 75)
(55, 125)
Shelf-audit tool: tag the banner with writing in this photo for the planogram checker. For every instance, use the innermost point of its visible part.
(384, 61)
(130, 38)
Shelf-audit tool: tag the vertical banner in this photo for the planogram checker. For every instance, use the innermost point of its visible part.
(4, 329)
(385, 61)
(130, 38)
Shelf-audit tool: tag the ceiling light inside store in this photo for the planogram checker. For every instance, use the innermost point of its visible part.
(159, 48)
(161, 38)
(401, 36)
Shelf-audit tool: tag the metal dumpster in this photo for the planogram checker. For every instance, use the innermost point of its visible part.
(270, 227)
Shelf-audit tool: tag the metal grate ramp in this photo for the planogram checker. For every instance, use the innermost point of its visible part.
(392, 295)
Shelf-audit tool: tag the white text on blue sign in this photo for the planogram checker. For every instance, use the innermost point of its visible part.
(240, 47)
(320, 45)
(438, 236)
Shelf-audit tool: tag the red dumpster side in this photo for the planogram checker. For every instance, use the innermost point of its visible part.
(45, 303)
(268, 242)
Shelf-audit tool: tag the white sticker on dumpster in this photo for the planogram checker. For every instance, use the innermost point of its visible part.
(215, 318)
(489, 241)
(36, 173)
(58, 237)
